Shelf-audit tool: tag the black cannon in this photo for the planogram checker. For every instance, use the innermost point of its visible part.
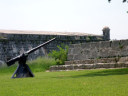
(23, 70)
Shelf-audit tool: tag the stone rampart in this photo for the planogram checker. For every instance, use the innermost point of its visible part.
(12, 45)
(102, 49)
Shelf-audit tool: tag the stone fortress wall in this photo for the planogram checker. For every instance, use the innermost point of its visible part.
(12, 44)
(95, 50)
(95, 55)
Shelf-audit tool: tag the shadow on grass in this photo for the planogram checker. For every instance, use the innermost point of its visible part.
(95, 73)
(104, 73)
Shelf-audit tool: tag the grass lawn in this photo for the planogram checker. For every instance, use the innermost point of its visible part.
(103, 82)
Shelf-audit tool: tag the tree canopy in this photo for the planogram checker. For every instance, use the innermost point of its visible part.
(122, 1)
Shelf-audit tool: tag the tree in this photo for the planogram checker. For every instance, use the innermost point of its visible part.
(122, 1)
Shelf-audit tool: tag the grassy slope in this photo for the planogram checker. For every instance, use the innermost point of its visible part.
(104, 82)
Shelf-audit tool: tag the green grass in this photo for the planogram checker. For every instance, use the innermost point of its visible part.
(38, 65)
(103, 82)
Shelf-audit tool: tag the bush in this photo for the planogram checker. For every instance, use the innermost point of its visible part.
(59, 55)
(41, 64)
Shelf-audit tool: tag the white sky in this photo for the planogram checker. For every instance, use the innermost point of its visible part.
(89, 16)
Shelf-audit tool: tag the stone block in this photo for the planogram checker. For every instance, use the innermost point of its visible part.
(106, 65)
(71, 46)
(89, 66)
(112, 65)
(94, 45)
(126, 65)
(98, 66)
(70, 51)
(81, 66)
(76, 50)
(70, 57)
(115, 44)
(53, 68)
(80, 57)
(69, 67)
(86, 45)
(83, 45)
(123, 53)
(61, 67)
(123, 59)
(88, 61)
(68, 62)
(119, 65)
(124, 42)
(75, 67)
(104, 44)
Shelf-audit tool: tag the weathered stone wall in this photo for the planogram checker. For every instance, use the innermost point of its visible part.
(12, 45)
(103, 49)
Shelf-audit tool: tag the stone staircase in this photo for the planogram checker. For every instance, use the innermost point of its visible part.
(116, 62)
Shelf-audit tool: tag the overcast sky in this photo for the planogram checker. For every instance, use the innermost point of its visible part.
(89, 16)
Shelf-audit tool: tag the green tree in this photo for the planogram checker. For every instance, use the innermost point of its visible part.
(122, 1)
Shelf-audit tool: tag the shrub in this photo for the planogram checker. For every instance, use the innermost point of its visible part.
(41, 64)
(59, 55)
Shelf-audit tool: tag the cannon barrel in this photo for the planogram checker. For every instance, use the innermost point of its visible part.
(34, 49)
(13, 60)
(19, 57)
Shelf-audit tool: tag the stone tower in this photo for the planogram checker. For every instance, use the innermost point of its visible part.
(106, 33)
